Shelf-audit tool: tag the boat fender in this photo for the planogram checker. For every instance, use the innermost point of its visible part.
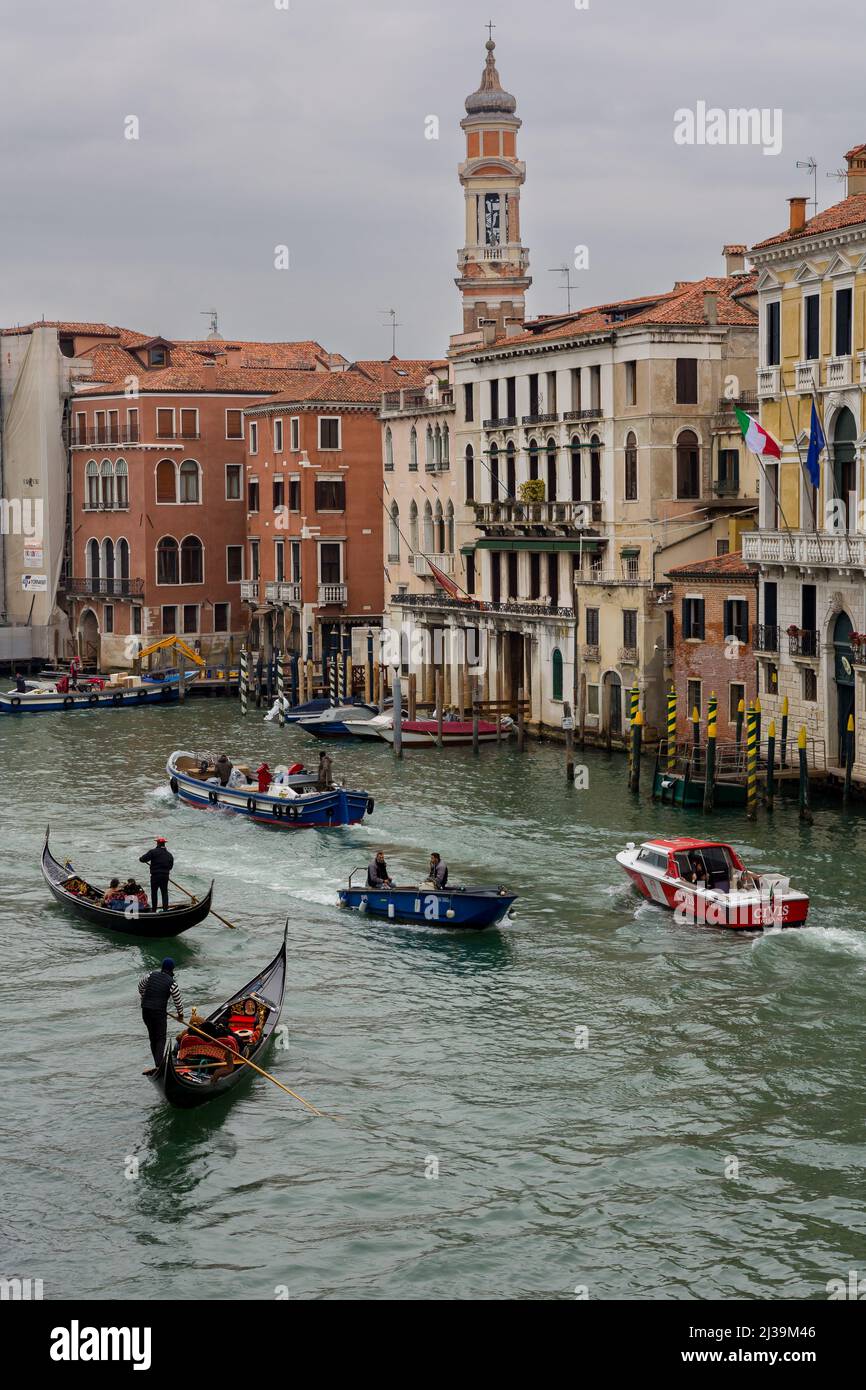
(16, 701)
(213, 798)
(140, 694)
(370, 805)
(117, 698)
(93, 699)
(292, 812)
(173, 784)
(67, 701)
(165, 692)
(362, 905)
(450, 912)
(277, 811)
(251, 803)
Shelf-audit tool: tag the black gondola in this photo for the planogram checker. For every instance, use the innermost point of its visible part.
(86, 903)
(199, 1074)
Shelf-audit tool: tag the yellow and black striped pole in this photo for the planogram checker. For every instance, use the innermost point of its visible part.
(710, 774)
(849, 756)
(784, 731)
(805, 813)
(633, 705)
(712, 709)
(751, 764)
(696, 727)
(771, 763)
(757, 708)
(741, 714)
(636, 736)
(672, 728)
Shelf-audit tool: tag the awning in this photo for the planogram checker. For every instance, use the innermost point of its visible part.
(574, 547)
(630, 550)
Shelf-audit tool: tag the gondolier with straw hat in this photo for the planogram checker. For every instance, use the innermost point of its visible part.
(161, 863)
(155, 990)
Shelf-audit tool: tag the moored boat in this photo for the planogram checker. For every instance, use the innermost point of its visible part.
(132, 919)
(292, 801)
(369, 728)
(423, 733)
(335, 721)
(705, 883)
(97, 694)
(468, 908)
(197, 1069)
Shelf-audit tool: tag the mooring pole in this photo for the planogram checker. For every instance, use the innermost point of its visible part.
(437, 688)
(398, 714)
(672, 728)
(242, 680)
(568, 726)
(757, 708)
(849, 757)
(474, 693)
(805, 812)
(712, 708)
(636, 736)
(710, 770)
(368, 675)
(281, 678)
(784, 731)
(751, 765)
(771, 763)
(413, 681)
(521, 722)
(696, 727)
(741, 714)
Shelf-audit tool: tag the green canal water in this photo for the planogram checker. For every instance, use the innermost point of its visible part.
(609, 1166)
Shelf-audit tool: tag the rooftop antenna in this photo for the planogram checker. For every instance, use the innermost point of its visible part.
(214, 325)
(394, 325)
(564, 269)
(838, 174)
(812, 167)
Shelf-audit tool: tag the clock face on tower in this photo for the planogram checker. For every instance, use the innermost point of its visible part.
(491, 219)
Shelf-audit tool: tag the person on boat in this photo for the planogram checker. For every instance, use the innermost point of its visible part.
(325, 776)
(263, 773)
(223, 769)
(133, 892)
(113, 895)
(20, 682)
(155, 990)
(161, 863)
(438, 874)
(377, 872)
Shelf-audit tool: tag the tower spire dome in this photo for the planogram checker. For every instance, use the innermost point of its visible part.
(490, 98)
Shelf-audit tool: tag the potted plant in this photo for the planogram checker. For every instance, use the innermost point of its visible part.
(532, 490)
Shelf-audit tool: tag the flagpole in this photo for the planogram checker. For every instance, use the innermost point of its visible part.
(797, 443)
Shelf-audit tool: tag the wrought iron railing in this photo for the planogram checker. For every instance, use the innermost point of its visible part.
(117, 588)
(803, 643)
(765, 637)
(549, 419)
(474, 605)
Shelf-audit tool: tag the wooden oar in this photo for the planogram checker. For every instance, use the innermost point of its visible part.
(236, 1057)
(224, 921)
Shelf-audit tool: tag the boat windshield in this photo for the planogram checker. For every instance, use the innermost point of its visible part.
(711, 865)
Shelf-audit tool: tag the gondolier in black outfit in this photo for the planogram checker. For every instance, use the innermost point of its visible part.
(155, 990)
(161, 863)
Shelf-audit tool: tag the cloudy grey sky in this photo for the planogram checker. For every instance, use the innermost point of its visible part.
(261, 126)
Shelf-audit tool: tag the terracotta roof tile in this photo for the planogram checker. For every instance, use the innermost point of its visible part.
(721, 565)
(845, 214)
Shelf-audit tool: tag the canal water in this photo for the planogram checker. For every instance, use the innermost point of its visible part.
(704, 1139)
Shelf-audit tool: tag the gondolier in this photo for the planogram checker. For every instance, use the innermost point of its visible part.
(161, 863)
(155, 991)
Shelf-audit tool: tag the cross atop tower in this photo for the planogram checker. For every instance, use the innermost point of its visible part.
(490, 27)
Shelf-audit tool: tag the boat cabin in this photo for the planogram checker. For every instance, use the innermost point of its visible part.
(706, 862)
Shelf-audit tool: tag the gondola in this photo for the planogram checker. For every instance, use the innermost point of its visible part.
(85, 902)
(193, 1068)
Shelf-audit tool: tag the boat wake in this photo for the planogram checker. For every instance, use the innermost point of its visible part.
(841, 940)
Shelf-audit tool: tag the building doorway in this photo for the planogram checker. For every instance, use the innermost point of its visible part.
(513, 672)
(88, 639)
(612, 707)
(844, 677)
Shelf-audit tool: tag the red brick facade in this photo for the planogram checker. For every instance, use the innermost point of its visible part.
(714, 612)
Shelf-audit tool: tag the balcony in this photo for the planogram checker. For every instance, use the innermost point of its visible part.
(283, 591)
(726, 487)
(724, 421)
(861, 358)
(250, 590)
(111, 588)
(765, 637)
(421, 564)
(627, 656)
(506, 251)
(564, 516)
(503, 422)
(803, 642)
(806, 549)
(807, 377)
(549, 419)
(768, 381)
(593, 413)
(333, 594)
(589, 651)
(667, 656)
(837, 372)
(438, 600)
(414, 402)
(123, 435)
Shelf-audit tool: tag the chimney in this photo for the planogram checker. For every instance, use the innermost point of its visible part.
(488, 331)
(856, 161)
(711, 307)
(797, 220)
(513, 327)
(735, 259)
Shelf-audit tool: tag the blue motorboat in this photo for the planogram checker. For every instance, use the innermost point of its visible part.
(92, 694)
(336, 721)
(292, 800)
(310, 709)
(467, 908)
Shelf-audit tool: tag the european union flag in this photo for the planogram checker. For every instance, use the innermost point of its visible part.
(817, 442)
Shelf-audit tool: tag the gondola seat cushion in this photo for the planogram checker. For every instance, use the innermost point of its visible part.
(191, 1045)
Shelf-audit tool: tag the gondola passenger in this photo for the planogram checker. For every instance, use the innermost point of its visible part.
(113, 895)
(223, 769)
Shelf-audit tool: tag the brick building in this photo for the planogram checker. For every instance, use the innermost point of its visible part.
(714, 607)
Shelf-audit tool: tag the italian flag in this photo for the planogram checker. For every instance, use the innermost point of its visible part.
(759, 440)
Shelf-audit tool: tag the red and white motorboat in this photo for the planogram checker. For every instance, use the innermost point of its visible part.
(706, 884)
(422, 733)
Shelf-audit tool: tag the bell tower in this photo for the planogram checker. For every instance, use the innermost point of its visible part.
(492, 265)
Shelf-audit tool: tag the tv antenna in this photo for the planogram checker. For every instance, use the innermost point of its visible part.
(393, 325)
(838, 174)
(810, 165)
(564, 269)
(214, 324)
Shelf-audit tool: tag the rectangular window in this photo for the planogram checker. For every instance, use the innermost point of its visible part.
(279, 494)
(156, 357)
(687, 381)
(772, 345)
(234, 563)
(296, 561)
(729, 469)
(108, 617)
(233, 482)
(736, 619)
(693, 618)
(330, 563)
(533, 393)
(234, 424)
(255, 568)
(164, 423)
(771, 678)
(810, 684)
(329, 432)
(220, 617)
(843, 322)
(771, 603)
(294, 494)
(736, 693)
(723, 547)
(511, 397)
(278, 436)
(693, 697)
(190, 617)
(136, 621)
(595, 387)
(99, 425)
(494, 400)
(279, 561)
(132, 433)
(631, 383)
(630, 474)
(253, 495)
(511, 560)
(629, 628)
(575, 388)
(592, 627)
(470, 574)
(468, 404)
(113, 427)
(169, 620)
(534, 575)
(189, 424)
(592, 700)
(330, 494)
(254, 437)
(81, 428)
(295, 433)
(812, 327)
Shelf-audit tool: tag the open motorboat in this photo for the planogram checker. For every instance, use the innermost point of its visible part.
(705, 883)
(292, 801)
(333, 722)
(423, 733)
(369, 728)
(474, 908)
(93, 693)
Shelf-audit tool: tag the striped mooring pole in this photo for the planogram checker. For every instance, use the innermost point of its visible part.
(784, 731)
(849, 757)
(771, 763)
(243, 679)
(281, 718)
(805, 812)
(751, 764)
(741, 714)
(758, 720)
(712, 708)
(334, 674)
(696, 727)
(672, 728)
(710, 772)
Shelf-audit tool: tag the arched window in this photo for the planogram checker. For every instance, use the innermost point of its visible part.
(121, 483)
(413, 450)
(449, 527)
(494, 473)
(439, 528)
(595, 468)
(413, 526)
(470, 474)
(446, 447)
(394, 533)
(630, 479)
(108, 563)
(575, 469)
(166, 481)
(533, 458)
(438, 446)
(428, 528)
(551, 470)
(556, 666)
(389, 450)
(92, 560)
(189, 481)
(510, 471)
(122, 561)
(167, 560)
(429, 458)
(688, 465)
(191, 561)
(91, 474)
(107, 479)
